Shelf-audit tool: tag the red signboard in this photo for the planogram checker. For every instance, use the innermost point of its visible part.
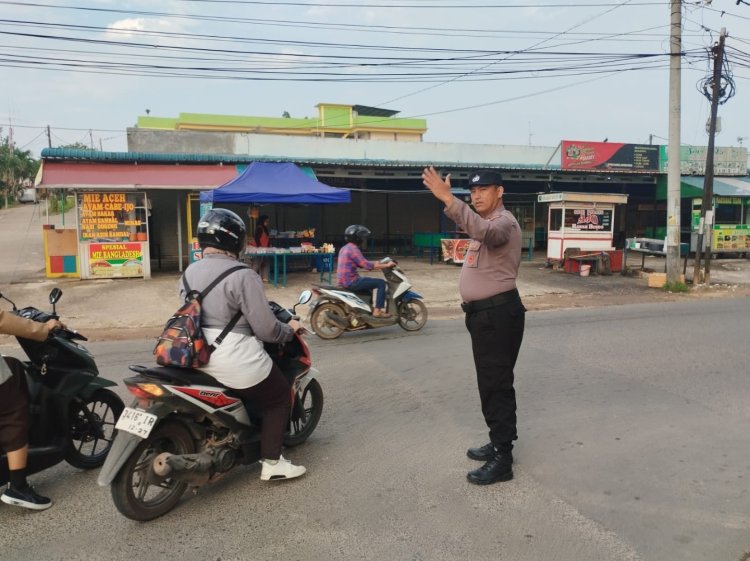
(609, 156)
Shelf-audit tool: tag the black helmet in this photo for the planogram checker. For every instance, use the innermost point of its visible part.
(222, 229)
(356, 233)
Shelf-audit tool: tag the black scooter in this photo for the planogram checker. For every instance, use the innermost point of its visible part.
(72, 415)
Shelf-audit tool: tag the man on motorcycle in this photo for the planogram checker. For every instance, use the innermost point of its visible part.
(351, 259)
(14, 412)
(240, 362)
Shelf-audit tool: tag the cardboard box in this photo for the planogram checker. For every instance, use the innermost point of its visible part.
(657, 280)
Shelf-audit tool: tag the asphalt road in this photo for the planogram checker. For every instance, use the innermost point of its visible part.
(633, 445)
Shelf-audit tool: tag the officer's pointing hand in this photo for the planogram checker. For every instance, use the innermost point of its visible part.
(439, 187)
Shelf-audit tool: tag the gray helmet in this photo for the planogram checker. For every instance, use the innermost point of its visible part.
(222, 229)
(356, 233)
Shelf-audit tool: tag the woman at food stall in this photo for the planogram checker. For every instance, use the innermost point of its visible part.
(262, 239)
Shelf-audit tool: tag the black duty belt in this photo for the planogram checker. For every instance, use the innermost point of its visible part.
(491, 302)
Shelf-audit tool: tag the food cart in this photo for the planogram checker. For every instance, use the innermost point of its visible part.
(581, 226)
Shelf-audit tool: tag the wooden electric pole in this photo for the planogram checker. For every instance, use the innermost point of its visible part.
(706, 221)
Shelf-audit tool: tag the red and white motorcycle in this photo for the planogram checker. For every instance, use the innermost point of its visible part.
(185, 429)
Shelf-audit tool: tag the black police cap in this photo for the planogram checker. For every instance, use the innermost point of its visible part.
(485, 177)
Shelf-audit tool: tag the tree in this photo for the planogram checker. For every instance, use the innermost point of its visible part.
(76, 146)
(17, 168)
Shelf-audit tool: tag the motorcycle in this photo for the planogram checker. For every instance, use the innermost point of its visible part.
(72, 415)
(336, 309)
(186, 429)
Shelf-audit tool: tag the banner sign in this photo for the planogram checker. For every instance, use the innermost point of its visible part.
(110, 260)
(609, 156)
(730, 238)
(111, 217)
(728, 161)
(588, 219)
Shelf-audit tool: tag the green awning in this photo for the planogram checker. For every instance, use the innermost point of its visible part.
(692, 186)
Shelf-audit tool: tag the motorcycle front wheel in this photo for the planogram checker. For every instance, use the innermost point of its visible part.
(324, 327)
(412, 315)
(138, 492)
(92, 429)
(305, 414)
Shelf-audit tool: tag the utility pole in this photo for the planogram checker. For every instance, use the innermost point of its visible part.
(708, 175)
(49, 137)
(673, 144)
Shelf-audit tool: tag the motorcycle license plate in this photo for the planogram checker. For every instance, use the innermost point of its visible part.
(136, 422)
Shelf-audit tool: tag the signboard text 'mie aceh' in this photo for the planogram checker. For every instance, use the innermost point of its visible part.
(107, 216)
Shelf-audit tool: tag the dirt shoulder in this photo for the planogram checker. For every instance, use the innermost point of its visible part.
(137, 308)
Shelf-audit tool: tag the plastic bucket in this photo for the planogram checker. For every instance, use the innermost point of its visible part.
(585, 270)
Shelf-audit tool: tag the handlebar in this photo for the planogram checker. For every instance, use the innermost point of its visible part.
(67, 333)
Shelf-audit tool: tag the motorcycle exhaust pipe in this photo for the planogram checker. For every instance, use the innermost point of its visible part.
(336, 320)
(191, 468)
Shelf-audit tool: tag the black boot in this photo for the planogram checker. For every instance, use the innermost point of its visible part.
(482, 453)
(498, 468)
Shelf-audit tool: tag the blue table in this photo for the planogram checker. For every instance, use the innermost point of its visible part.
(326, 259)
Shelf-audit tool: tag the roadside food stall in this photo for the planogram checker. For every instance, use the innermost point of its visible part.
(580, 229)
(730, 231)
(281, 183)
(727, 220)
(111, 238)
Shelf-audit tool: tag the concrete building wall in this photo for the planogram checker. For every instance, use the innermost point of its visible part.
(307, 149)
(180, 142)
(347, 149)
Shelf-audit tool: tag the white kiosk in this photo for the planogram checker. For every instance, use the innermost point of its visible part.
(580, 220)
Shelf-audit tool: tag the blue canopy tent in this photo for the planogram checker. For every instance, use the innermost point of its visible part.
(268, 183)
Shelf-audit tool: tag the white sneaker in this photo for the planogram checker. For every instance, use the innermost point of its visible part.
(279, 469)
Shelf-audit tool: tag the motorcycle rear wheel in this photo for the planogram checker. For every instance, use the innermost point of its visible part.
(412, 315)
(140, 494)
(92, 431)
(311, 402)
(324, 328)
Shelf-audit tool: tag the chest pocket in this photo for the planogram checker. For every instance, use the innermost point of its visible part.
(472, 254)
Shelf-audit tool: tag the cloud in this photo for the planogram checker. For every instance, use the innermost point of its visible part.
(144, 24)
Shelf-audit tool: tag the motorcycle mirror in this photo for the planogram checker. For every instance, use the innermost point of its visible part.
(9, 300)
(304, 297)
(55, 295)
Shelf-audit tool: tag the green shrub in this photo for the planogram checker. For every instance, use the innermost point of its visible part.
(58, 205)
(676, 286)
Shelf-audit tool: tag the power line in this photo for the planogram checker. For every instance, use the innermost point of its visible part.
(525, 50)
(418, 6)
(411, 30)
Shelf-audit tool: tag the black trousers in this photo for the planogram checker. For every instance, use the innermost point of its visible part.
(496, 336)
(273, 398)
(14, 408)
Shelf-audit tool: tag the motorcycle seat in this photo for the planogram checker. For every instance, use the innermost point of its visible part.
(329, 286)
(185, 376)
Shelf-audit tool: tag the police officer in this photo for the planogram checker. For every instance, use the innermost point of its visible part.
(495, 315)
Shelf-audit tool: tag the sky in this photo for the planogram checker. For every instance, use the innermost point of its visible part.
(509, 72)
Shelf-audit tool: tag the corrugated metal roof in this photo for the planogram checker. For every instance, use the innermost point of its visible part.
(233, 159)
(722, 186)
(366, 110)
